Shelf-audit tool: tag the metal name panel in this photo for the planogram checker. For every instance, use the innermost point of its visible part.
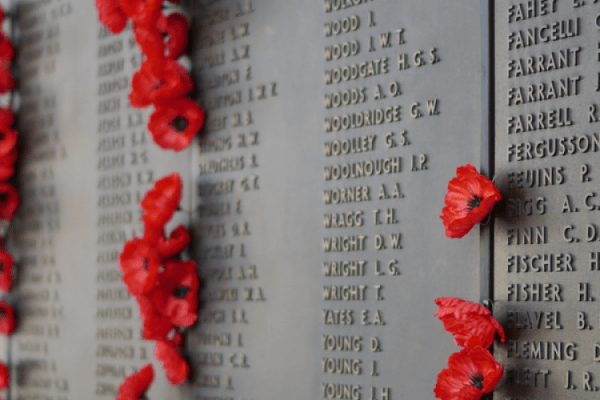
(314, 194)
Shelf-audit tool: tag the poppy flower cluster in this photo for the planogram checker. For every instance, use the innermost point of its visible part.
(7, 53)
(161, 81)
(165, 287)
(9, 197)
(470, 198)
(473, 371)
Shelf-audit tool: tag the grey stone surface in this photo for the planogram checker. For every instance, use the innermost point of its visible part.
(257, 195)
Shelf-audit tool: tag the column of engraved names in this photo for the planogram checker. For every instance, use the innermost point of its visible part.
(228, 179)
(38, 302)
(124, 175)
(365, 151)
(547, 259)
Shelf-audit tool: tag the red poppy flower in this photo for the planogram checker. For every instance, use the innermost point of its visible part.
(135, 385)
(470, 323)
(175, 125)
(175, 244)
(153, 234)
(155, 325)
(9, 201)
(472, 373)
(6, 172)
(176, 295)
(7, 164)
(7, 81)
(7, 117)
(8, 322)
(176, 28)
(7, 50)
(175, 366)
(4, 376)
(151, 41)
(11, 157)
(8, 140)
(159, 82)
(162, 200)
(111, 15)
(177, 339)
(6, 270)
(139, 262)
(470, 198)
(142, 12)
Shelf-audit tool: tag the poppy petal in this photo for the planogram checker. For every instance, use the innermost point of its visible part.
(7, 50)
(150, 40)
(470, 198)
(155, 325)
(111, 15)
(139, 262)
(135, 385)
(177, 30)
(8, 322)
(6, 270)
(159, 82)
(7, 81)
(6, 172)
(7, 117)
(161, 202)
(7, 164)
(175, 244)
(176, 295)
(470, 323)
(175, 125)
(177, 339)
(175, 366)
(8, 140)
(9, 201)
(153, 233)
(4, 376)
(472, 367)
(143, 12)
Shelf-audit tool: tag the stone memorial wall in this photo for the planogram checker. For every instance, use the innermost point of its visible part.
(313, 194)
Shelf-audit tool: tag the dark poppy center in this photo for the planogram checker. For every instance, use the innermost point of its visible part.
(146, 263)
(1, 267)
(158, 85)
(2, 313)
(477, 380)
(3, 197)
(180, 124)
(181, 291)
(473, 202)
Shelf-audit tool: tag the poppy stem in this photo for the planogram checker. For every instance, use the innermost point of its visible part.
(489, 304)
(486, 220)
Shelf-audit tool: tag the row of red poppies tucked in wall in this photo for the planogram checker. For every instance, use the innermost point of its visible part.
(161, 81)
(9, 197)
(473, 371)
(165, 287)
